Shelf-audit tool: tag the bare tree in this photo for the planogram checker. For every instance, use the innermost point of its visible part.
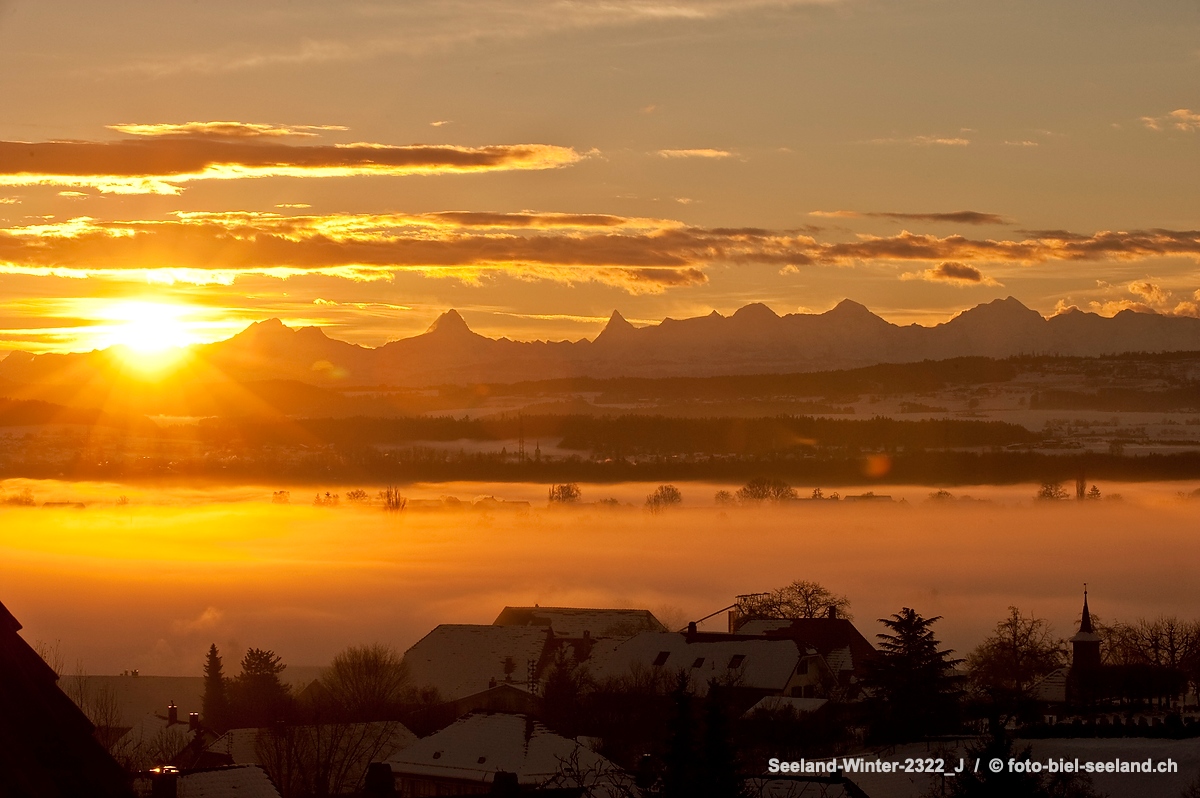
(1052, 491)
(568, 493)
(326, 758)
(1167, 642)
(663, 497)
(393, 502)
(367, 682)
(763, 489)
(98, 702)
(800, 599)
(1020, 650)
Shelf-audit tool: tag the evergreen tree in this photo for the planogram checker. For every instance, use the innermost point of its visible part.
(215, 704)
(257, 695)
(914, 689)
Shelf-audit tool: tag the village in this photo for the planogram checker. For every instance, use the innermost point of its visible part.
(574, 701)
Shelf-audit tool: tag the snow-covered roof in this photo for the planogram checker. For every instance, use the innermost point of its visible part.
(1052, 687)
(575, 621)
(840, 659)
(761, 664)
(836, 639)
(246, 781)
(155, 732)
(773, 703)
(463, 659)
(477, 746)
(240, 745)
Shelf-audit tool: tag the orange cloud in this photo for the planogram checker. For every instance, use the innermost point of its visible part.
(926, 141)
(224, 130)
(1179, 119)
(639, 254)
(160, 162)
(955, 217)
(696, 153)
(952, 272)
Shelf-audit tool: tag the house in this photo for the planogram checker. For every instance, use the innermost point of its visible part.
(754, 665)
(460, 660)
(482, 753)
(238, 781)
(501, 698)
(578, 622)
(46, 745)
(843, 649)
(156, 739)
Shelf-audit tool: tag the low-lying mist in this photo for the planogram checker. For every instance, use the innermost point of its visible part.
(149, 581)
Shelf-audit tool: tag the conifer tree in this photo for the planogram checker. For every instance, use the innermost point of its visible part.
(215, 705)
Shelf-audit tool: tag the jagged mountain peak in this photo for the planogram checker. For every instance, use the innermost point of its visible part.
(1002, 312)
(617, 320)
(449, 322)
(265, 329)
(616, 328)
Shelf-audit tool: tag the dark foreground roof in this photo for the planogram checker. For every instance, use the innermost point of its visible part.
(46, 744)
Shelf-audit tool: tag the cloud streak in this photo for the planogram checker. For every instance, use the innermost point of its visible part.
(953, 217)
(638, 254)
(695, 153)
(926, 141)
(161, 162)
(225, 130)
(382, 30)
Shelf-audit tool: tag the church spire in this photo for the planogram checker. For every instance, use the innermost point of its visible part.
(1085, 625)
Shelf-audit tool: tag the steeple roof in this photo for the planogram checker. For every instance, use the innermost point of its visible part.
(1086, 633)
(1085, 625)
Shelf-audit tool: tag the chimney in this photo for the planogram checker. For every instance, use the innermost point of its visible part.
(691, 632)
(832, 613)
(505, 784)
(164, 782)
(380, 781)
(172, 714)
(193, 721)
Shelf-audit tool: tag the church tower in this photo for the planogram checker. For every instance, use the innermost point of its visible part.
(1085, 645)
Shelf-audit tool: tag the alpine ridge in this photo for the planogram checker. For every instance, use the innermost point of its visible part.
(753, 340)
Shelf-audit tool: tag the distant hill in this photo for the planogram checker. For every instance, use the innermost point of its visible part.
(754, 340)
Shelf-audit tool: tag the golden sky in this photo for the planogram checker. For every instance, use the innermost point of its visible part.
(536, 164)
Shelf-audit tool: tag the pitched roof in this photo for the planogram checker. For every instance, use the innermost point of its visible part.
(477, 746)
(575, 621)
(153, 737)
(762, 664)
(835, 639)
(46, 743)
(239, 781)
(463, 659)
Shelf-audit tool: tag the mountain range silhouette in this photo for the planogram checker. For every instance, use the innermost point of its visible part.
(752, 340)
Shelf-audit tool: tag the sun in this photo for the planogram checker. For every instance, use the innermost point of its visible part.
(146, 328)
